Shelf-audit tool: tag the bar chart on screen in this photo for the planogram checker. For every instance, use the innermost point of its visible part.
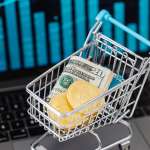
(35, 33)
(26, 32)
(12, 35)
(3, 65)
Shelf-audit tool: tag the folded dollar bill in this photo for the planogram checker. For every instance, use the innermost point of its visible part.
(79, 68)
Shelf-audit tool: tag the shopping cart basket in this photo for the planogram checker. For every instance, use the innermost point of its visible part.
(120, 103)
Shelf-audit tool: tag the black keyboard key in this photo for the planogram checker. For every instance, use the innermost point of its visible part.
(20, 97)
(4, 137)
(26, 95)
(26, 104)
(18, 134)
(8, 116)
(16, 106)
(31, 122)
(3, 108)
(147, 110)
(22, 114)
(36, 131)
(6, 99)
(17, 124)
(138, 113)
(4, 126)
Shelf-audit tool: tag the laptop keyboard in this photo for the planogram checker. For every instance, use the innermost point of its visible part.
(15, 123)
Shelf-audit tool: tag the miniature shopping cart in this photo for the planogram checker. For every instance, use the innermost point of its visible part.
(131, 72)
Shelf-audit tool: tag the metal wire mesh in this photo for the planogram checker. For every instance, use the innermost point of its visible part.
(102, 51)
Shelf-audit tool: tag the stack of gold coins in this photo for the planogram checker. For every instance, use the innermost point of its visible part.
(78, 94)
(81, 92)
(60, 103)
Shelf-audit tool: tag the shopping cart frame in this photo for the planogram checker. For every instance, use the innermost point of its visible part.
(144, 69)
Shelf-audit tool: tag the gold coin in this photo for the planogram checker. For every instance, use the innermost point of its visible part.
(60, 103)
(81, 92)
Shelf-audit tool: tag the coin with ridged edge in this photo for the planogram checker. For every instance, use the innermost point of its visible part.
(60, 103)
(81, 92)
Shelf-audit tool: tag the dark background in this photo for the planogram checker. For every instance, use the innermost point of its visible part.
(53, 10)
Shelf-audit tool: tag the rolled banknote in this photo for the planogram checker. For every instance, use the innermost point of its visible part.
(79, 68)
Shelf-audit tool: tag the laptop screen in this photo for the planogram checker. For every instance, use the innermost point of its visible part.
(36, 34)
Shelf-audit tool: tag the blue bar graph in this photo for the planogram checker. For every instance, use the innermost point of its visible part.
(54, 40)
(93, 10)
(12, 36)
(80, 23)
(107, 29)
(67, 27)
(143, 23)
(22, 41)
(131, 41)
(7, 2)
(40, 37)
(119, 15)
(3, 63)
(26, 32)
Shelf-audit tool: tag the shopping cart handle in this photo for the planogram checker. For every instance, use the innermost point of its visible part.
(105, 15)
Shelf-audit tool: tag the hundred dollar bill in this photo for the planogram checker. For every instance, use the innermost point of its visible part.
(82, 69)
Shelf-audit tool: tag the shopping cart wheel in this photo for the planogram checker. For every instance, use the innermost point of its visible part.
(124, 146)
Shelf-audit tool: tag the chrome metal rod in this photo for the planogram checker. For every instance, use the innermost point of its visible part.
(131, 90)
(98, 140)
(36, 142)
(90, 33)
(123, 139)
